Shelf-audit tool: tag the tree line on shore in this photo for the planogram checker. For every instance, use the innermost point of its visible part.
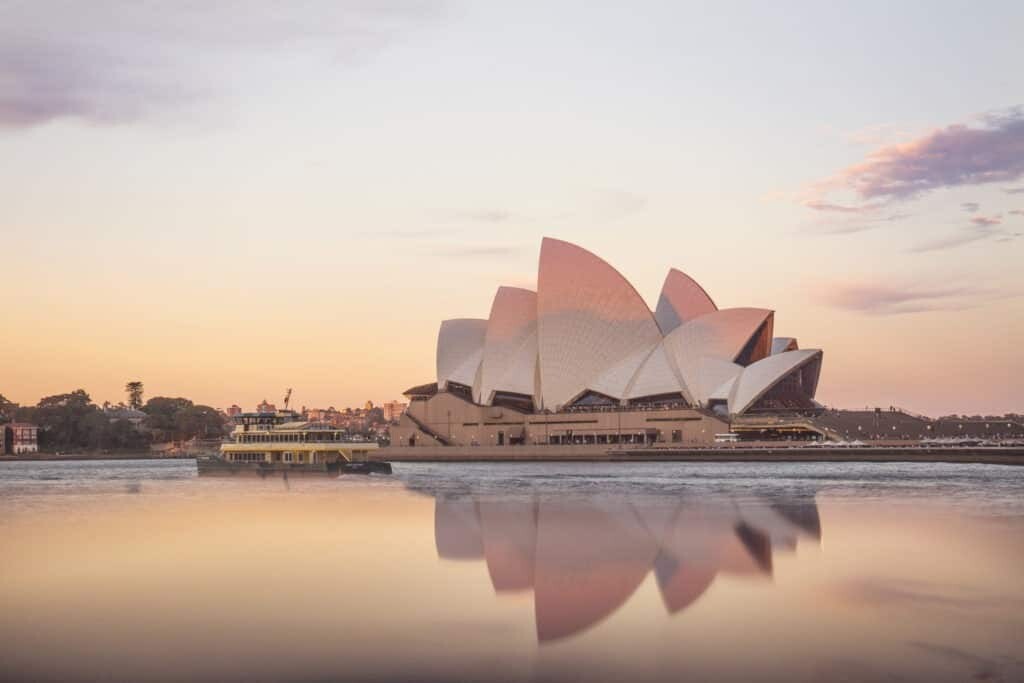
(71, 421)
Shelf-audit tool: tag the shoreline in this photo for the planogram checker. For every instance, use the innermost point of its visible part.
(87, 457)
(967, 455)
(1013, 455)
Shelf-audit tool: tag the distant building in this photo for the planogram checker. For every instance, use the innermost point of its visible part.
(318, 414)
(266, 407)
(19, 438)
(393, 410)
(233, 410)
(330, 416)
(368, 406)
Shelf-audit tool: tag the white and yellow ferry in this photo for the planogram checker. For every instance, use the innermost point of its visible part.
(265, 443)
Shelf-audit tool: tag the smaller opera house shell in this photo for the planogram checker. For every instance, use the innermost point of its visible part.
(586, 340)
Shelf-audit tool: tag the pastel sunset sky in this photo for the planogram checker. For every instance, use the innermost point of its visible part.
(227, 199)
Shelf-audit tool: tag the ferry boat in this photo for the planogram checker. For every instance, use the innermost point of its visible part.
(283, 443)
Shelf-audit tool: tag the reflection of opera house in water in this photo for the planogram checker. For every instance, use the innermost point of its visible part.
(583, 559)
(584, 360)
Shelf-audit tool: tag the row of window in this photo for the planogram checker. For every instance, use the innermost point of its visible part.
(600, 438)
(248, 457)
(591, 438)
(290, 438)
(287, 456)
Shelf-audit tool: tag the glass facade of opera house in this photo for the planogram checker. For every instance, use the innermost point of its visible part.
(584, 360)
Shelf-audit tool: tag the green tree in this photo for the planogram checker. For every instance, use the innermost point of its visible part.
(62, 418)
(94, 427)
(134, 391)
(162, 416)
(8, 409)
(201, 422)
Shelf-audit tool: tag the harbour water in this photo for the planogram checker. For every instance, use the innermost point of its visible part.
(140, 571)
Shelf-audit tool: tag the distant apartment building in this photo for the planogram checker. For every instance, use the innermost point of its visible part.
(265, 407)
(331, 416)
(233, 410)
(19, 438)
(393, 410)
(319, 414)
(368, 406)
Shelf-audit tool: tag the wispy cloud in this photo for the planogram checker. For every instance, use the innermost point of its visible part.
(916, 594)
(117, 61)
(989, 151)
(897, 299)
(485, 216)
(987, 221)
(880, 134)
(952, 156)
(980, 228)
(818, 205)
(981, 668)
(953, 241)
(593, 205)
(855, 222)
(481, 250)
(1016, 212)
(608, 204)
(411, 234)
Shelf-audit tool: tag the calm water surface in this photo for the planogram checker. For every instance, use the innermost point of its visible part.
(140, 571)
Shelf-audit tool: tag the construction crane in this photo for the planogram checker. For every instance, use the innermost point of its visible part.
(287, 398)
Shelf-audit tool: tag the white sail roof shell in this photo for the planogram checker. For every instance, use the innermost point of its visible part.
(656, 376)
(722, 392)
(460, 346)
(703, 349)
(593, 328)
(615, 380)
(708, 375)
(783, 344)
(510, 345)
(757, 378)
(681, 299)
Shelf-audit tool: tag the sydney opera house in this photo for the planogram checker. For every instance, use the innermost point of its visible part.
(584, 360)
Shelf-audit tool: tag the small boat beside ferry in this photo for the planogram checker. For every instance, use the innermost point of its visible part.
(283, 443)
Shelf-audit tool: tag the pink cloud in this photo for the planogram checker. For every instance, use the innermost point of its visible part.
(112, 62)
(838, 208)
(953, 156)
(896, 299)
(987, 221)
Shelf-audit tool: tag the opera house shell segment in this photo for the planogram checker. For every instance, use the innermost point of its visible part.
(595, 331)
(587, 339)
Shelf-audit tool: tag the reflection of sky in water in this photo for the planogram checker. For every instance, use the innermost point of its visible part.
(140, 571)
